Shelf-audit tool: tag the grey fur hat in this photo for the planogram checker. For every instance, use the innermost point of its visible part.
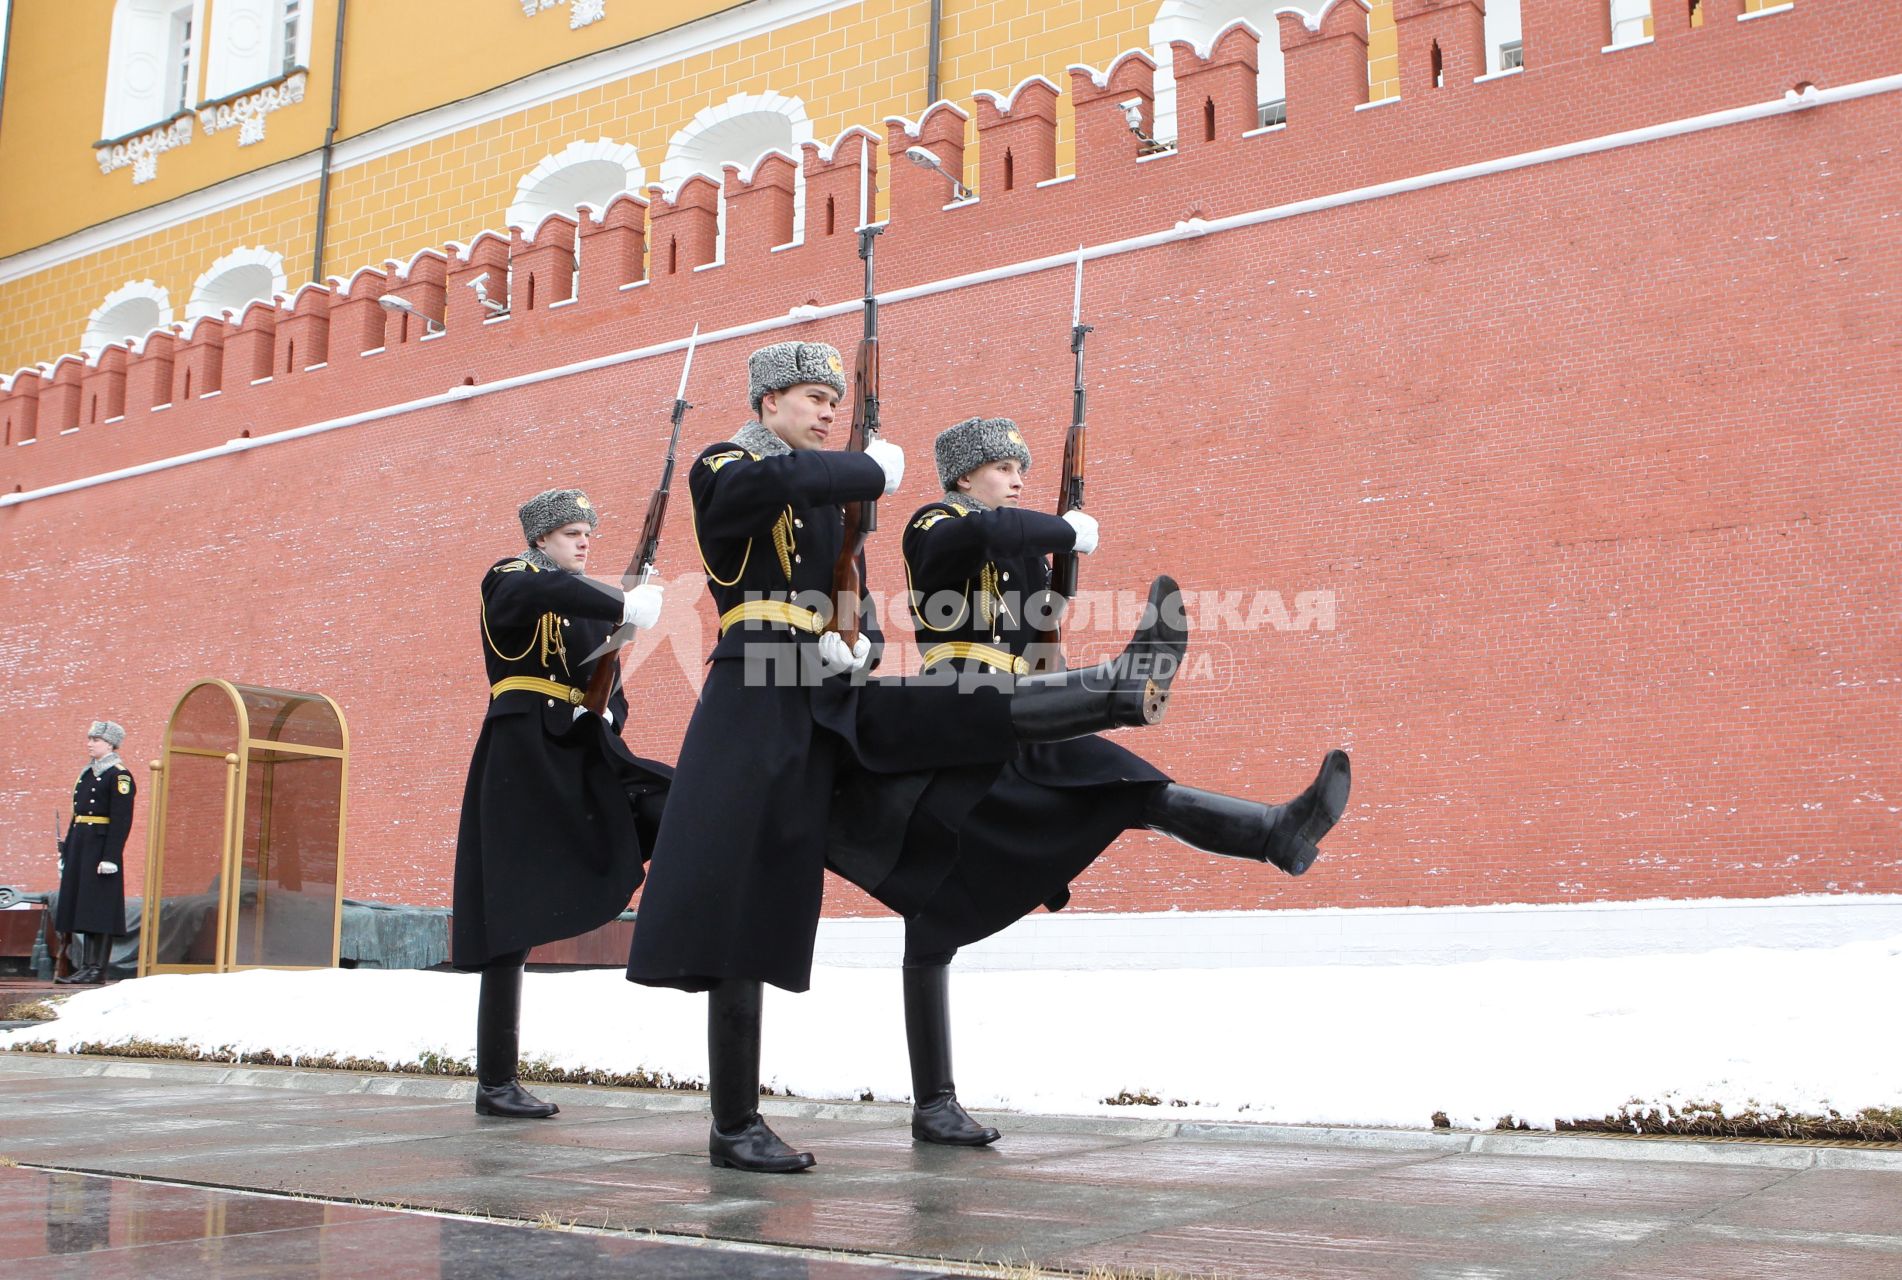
(113, 734)
(975, 441)
(554, 508)
(787, 364)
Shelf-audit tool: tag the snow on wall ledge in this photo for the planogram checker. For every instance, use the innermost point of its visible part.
(1295, 938)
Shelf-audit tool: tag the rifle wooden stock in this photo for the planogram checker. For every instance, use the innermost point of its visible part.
(607, 668)
(861, 516)
(1063, 564)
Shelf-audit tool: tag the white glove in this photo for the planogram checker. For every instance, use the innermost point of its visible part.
(891, 459)
(607, 714)
(108, 868)
(836, 657)
(1085, 525)
(642, 607)
(62, 866)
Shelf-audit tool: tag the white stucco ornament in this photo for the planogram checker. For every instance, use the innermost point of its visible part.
(247, 113)
(581, 13)
(141, 153)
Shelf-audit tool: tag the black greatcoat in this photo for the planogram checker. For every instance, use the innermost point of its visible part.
(752, 822)
(1056, 805)
(88, 901)
(556, 812)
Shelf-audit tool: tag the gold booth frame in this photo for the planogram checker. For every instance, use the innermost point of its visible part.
(278, 743)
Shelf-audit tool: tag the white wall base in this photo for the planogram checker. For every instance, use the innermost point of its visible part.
(1387, 935)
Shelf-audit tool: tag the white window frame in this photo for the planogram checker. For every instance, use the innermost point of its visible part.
(245, 46)
(142, 67)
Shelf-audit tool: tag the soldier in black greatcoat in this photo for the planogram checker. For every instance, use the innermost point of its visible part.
(556, 813)
(794, 760)
(978, 568)
(92, 858)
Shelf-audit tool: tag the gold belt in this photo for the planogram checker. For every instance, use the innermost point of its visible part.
(535, 684)
(994, 658)
(772, 611)
(92, 821)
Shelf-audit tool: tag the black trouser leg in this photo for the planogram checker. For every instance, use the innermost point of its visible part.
(740, 1138)
(498, 1045)
(1284, 834)
(936, 1115)
(1130, 689)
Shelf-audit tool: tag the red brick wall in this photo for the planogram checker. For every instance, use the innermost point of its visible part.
(1595, 458)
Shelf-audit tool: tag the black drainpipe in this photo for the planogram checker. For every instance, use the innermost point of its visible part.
(330, 144)
(6, 41)
(931, 64)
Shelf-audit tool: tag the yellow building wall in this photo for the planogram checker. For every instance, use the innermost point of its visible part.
(58, 301)
(400, 59)
(853, 66)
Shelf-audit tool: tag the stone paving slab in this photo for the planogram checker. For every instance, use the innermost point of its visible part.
(76, 1226)
(1059, 1192)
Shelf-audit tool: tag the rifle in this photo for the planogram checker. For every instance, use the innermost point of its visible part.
(59, 837)
(861, 517)
(1063, 564)
(641, 568)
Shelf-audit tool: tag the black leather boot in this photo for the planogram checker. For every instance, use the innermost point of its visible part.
(498, 1049)
(740, 1137)
(75, 959)
(89, 956)
(936, 1115)
(104, 958)
(1130, 689)
(1284, 834)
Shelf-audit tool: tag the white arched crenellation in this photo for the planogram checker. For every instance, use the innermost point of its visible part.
(131, 311)
(1628, 19)
(239, 277)
(739, 131)
(580, 173)
(1198, 22)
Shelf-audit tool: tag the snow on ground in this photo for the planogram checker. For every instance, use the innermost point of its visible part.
(1542, 1040)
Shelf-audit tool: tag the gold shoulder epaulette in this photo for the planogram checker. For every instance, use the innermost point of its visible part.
(514, 566)
(718, 460)
(929, 518)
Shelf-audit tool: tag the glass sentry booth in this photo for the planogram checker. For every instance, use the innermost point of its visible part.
(244, 847)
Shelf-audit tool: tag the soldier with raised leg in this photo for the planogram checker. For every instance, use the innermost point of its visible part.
(979, 570)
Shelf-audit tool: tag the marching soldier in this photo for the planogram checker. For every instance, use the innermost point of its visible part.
(92, 858)
(556, 812)
(787, 718)
(977, 566)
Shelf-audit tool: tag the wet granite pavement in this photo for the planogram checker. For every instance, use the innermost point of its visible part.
(629, 1170)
